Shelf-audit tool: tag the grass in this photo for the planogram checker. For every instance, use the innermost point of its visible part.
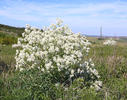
(112, 66)
(7, 54)
(110, 61)
(16, 31)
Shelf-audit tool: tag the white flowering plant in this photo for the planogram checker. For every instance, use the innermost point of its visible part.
(110, 42)
(58, 51)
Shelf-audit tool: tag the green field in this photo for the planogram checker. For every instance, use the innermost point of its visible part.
(110, 61)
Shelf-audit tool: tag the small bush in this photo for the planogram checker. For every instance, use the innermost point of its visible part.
(8, 40)
(58, 51)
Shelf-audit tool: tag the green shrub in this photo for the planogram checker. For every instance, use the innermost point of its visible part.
(35, 85)
(8, 40)
(29, 85)
(110, 61)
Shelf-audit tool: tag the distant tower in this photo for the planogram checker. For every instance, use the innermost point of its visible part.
(100, 37)
(101, 32)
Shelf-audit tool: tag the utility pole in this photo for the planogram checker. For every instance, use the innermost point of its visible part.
(101, 32)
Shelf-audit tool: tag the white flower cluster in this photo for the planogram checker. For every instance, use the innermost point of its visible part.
(110, 42)
(56, 47)
(97, 85)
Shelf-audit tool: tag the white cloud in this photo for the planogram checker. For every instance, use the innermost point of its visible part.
(113, 14)
(39, 10)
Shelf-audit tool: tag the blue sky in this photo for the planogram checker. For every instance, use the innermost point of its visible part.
(85, 16)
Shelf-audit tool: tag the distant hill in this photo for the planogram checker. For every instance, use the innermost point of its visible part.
(6, 29)
(17, 31)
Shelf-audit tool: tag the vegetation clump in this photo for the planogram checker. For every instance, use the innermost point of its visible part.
(57, 51)
(77, 79)
(110, 42)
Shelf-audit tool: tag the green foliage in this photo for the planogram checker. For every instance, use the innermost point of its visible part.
(28, 85)
(39, 84)
(78, 91)
(35, 85)
(2, 35)
(7, 39)
(7, 50)
(111, 64)
(110, 61)
(11, 30)
(7, 54)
